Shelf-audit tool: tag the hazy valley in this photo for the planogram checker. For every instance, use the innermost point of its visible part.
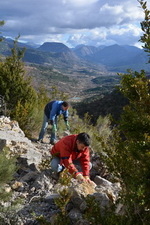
(80, 72)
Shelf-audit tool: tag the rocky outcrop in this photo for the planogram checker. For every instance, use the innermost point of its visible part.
(37, 187)
(13, 137)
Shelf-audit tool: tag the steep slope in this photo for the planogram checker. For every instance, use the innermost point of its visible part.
(83, 50)
(35, 186)
(109, 104)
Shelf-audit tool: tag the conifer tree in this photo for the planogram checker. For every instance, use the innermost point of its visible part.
(16, 89)
(1, 24)
(145, 26)
(13, 85)
(7, 170)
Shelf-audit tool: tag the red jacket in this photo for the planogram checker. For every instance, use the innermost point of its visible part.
(67, 150)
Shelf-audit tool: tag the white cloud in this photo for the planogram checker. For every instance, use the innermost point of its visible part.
(79, 3)
(130, 28)
(122, 35)
(75, 21)
(108, 9)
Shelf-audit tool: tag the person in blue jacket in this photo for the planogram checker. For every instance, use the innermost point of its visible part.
(51, 111)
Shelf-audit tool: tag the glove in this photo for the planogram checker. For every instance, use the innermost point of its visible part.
(80, 178)
(54, 129)
(67, 125)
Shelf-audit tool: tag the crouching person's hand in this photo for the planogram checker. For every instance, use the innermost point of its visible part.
(89, 181)
(80, 178)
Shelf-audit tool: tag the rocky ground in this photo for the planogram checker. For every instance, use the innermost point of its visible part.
(38, 187)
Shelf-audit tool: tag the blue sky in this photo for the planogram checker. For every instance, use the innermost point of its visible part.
(73, 22)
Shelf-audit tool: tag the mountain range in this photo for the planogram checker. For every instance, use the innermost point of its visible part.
(114, 58)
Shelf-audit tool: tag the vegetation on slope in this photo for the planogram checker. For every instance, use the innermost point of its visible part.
(125, 149)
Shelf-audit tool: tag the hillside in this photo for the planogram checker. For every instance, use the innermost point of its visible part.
(35, 187)
(116, 58)
(56, 55)
(81, 72)
(102, 105)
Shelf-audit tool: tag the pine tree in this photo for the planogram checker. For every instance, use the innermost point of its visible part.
(1, 24)
(16, 89)
(145, 26)
(7, 170)
(13, 85)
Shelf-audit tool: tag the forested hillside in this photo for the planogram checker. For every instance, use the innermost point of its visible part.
(113, 58)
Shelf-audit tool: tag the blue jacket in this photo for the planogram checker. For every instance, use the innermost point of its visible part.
(53, 109)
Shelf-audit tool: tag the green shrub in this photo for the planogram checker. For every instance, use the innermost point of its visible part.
(7, 170)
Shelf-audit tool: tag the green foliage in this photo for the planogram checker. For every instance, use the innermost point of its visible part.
(36, 117)
(41, 220)
(16, 89)
(102, 105)
(136, 87)
(130, 154)
(92, 213)
(8, 205)
(145, 26)
(44, 164)
(7, 170)
(7, 166)
(14, 86)
(1, 24)
(65, 178)
(24, 103)
(63, 199)
(62, 219)
(95, 215)
(125, 150)
(22, 113)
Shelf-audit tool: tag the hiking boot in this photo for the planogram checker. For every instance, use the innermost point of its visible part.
(55, 175)
(40, 141)
(52, 142)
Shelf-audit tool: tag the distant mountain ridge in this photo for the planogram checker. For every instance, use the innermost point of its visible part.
(53, 47)
(114, 55)
(116, 58)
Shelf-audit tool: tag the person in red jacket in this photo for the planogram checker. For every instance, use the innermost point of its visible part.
(69, 150)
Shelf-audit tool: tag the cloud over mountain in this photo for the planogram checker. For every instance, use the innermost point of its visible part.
(72, 22)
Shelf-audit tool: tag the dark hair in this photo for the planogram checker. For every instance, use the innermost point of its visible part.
(84, 138)
(65, 104)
